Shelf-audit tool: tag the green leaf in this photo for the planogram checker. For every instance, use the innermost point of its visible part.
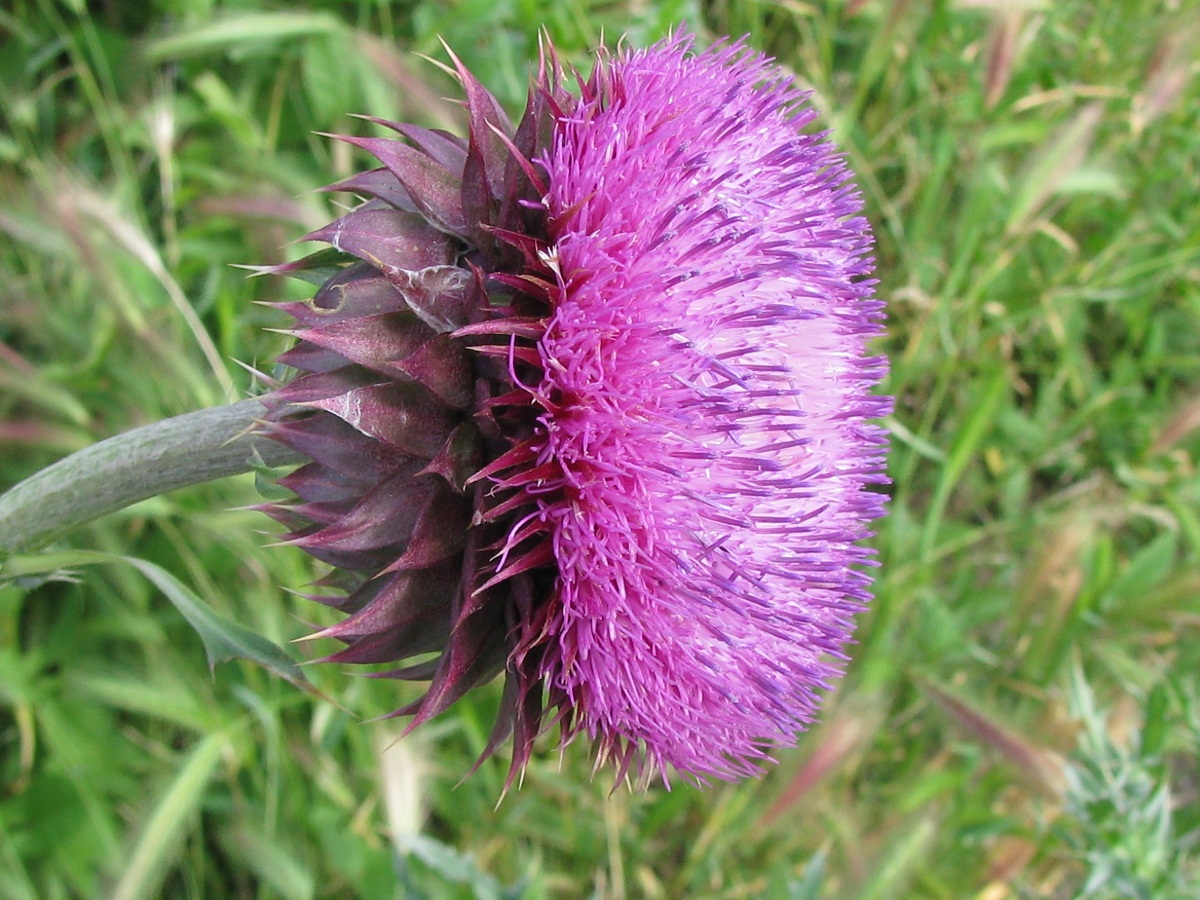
(455, 867)
(1092, 180)
(328, 80)
(1147, 568)
(247, 31)
(223, 640)
(983, 409)
(163, 830)
(289, 877)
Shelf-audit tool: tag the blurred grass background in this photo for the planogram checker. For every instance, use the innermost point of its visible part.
(1022, 717)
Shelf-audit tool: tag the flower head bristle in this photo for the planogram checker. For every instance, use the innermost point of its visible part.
(588, 402)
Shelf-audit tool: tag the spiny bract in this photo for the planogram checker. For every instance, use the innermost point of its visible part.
(588, 401)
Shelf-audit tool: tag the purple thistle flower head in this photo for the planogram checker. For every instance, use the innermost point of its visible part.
(592, 406)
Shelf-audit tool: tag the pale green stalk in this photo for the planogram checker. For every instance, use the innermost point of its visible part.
(133, 466)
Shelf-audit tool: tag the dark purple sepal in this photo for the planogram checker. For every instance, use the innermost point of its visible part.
(379, 184)
(422, 671)
(442, 365)
(475, 654)
(479, 205)
(434, 190)
(521, 705)
(311, 358)
(357, 290)
(530, 284)
(405, 415)
(519, 455)
(486, 121)
(290, 517)
(315, 483)
(440, 532)
(332, 443)
(305, 389)
(417, 636)
(528, 355)
(508, 326)
(539, 556)
(384, 517)
(318, 516)
(444, 148)
(359, 560)
(417, 596)
(460, 457)
(376, 342)
(442, 296)
(528, 246)
(315, 268)
(387, 237)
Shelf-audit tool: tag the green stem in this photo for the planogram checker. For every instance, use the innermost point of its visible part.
(145, 462)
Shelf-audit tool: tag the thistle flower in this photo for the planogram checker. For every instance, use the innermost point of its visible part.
(587, 401)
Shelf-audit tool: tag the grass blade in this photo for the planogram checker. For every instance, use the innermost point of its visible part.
(167, 824)
(223, 640)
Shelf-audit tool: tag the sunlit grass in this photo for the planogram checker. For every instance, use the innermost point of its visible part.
(1021, 718)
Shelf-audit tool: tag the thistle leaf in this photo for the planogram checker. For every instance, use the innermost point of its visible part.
(223, 640)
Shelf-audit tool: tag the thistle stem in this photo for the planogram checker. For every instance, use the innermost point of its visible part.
(133, 466)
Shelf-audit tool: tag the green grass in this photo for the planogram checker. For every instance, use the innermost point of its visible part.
(1022, 716)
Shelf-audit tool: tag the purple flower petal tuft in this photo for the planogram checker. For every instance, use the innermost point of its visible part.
(608, 374)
